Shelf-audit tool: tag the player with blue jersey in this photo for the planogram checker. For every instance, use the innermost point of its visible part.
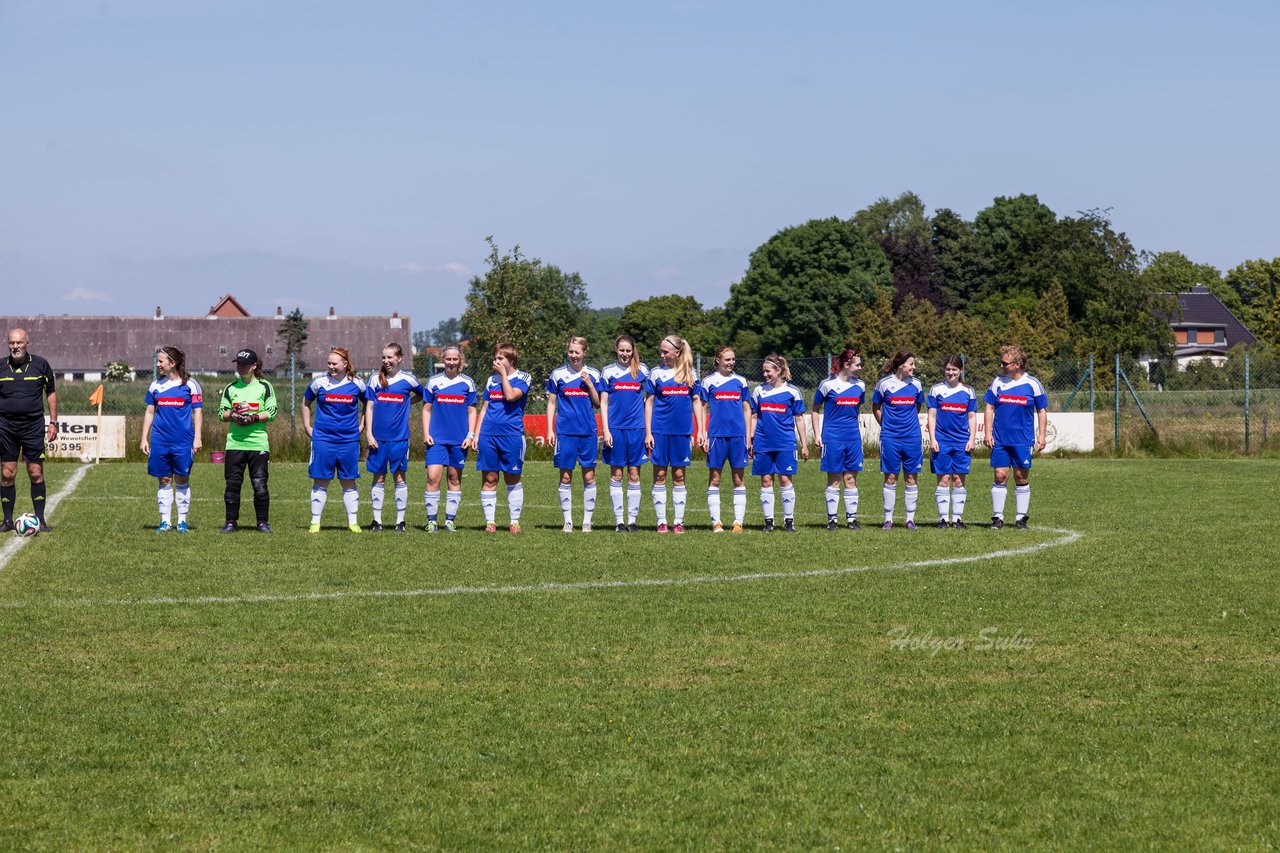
(1016, 421)
(500, 436)
(671, 394)
(953, 431)
(776, 429)
(573, 394)
(171, 435)
(448, 432)
(622, 419)
(723, 434)
(836, 406)
(896, 405)
(339, 398)
(391, 392)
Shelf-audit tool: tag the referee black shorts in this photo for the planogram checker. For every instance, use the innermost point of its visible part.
(25, 438)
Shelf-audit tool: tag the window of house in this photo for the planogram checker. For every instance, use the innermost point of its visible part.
(222, 350)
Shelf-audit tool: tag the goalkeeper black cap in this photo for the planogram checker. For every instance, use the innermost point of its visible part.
(246, 356)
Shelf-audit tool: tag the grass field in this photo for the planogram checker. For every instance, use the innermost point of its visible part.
(251, 691)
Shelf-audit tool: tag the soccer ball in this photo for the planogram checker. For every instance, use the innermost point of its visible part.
(26, 525)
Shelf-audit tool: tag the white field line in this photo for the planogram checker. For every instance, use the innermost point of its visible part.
(1066, 537)
(51, 503)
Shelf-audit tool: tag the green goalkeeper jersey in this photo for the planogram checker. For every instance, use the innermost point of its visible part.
(256, 395)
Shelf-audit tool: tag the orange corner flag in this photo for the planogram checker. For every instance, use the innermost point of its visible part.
(95, 399)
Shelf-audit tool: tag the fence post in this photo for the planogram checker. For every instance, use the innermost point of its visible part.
(1091, 383)
(293, 392)
(698, 364)
(1116, 379)
(1246, 401)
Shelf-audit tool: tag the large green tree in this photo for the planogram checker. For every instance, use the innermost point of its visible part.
(293, 332)
(650, 320)
(801, 286)
(537, 307)
(1257, 285)
(904, 232)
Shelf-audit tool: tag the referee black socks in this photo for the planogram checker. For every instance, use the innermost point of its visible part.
(8, 494)
(37, 499)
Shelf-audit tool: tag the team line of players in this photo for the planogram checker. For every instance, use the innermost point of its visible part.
(646, 416)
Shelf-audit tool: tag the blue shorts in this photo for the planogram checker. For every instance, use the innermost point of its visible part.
(393, 455)
(673, 451)
(905, 456)
(1011, 456)
(841, 456)
(451, 455)
(503, 453)
(327, 458)
(950, 459)
(627, 451)
(575, 449)
(731, 449)
(169, 461)
(773, 462)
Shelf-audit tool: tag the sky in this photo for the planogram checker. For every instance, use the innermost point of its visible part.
(357, 155)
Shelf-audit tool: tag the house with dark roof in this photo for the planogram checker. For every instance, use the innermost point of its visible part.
(81, 347)
(1206, 328)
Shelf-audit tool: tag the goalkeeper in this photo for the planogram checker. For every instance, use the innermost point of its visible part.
(247, 405)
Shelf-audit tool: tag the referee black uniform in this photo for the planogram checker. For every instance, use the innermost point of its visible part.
(23, 388)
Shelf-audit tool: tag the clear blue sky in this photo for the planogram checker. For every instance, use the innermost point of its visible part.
(357, 154)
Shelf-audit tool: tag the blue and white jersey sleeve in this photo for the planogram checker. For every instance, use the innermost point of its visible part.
(1015, 403)
(575, 413)
(626, 395)
(952, 407)
(724, 396)
(776, 410)
(502, 416)
(841, 403)
(451, 401)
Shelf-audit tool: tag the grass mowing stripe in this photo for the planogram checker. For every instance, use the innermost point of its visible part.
(1067, 537)
(11, 547)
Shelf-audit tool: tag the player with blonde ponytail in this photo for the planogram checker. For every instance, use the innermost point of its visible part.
(668, 426)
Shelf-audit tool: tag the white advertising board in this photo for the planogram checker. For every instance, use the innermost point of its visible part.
(78, 438)
(1067, 430)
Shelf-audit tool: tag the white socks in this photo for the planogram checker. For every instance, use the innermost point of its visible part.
(1022, 499)
(164, 498)
(452, 500)
(515, 501)
(677, 503)
(319, 497)
(832, 494)
(402, 501)
(351, 500)
(588, 502)
(739, 504)
(713, 503)
(998, 496)
(850, 503)
(182, 497)
(376, 495)
(659, 495)
(618, 498)
(431, 500)
(489, 503)
(958, 495)
(766, 501)
(890, 501)
(788, 501)
(634, 496)
(910, 495)
(566, 502)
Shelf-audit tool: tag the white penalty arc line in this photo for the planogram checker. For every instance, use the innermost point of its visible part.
(1066, 537)
(8, 549)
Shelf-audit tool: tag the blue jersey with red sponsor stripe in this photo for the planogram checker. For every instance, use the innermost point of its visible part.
(953, 406)
(451, 401)
(338, 404)
(391, 404)
(626, 395)
(672, 402)
(899, 404)
(503, 416)
(1016, 402)
(175, 402)
(575, 413)
(776, 410)
(841, 404)
(724, 396)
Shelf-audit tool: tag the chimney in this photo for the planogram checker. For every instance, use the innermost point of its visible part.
(159, 313)
(279, 313)
(331, 316)
(395, 320)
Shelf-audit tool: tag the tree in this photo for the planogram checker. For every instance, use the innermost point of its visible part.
(118, 371)
(536, 307)
(650, 320)
(293, 332)
(904, 233)
(952, 239)
(1257, 284)
(1174, 272)
(447, 331)
(1010, 243)
(802, 284)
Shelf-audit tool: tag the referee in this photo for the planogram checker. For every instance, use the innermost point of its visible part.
(25, 380)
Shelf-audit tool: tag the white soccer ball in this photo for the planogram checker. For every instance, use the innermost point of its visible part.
(26, 525)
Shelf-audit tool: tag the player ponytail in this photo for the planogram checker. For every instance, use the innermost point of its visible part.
(684, 366)
(635, 356)
(346, 358)
(398, 351)
(843, 359)
(779, 362)
(899, 358)
(179, 359)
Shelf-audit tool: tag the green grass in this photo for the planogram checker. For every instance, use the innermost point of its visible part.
(1136, 705)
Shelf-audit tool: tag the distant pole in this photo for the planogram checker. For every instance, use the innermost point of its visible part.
(698, 364)
(155, 366)
(1246, 402)
(1116, 379)
(293, 391)
(1091, 383)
